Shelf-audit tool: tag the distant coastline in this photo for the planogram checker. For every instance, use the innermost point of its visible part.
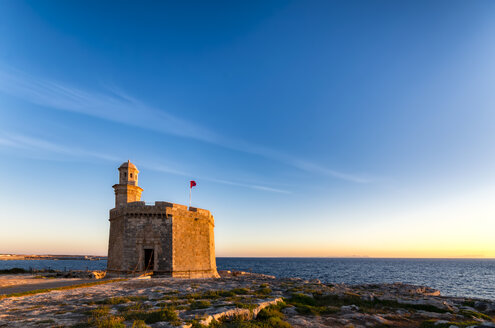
(24, 257)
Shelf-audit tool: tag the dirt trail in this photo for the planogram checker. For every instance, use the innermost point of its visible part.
(12, 284)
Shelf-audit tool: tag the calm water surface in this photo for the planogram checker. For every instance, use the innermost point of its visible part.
(456, 277)
(59, 265)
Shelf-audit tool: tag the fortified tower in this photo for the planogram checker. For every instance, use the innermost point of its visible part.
(164, 238)
(127, 190)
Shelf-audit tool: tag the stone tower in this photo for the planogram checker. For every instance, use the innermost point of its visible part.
(127, 190)
(165, 238)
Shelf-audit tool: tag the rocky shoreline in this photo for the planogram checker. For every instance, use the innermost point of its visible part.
(240, 299)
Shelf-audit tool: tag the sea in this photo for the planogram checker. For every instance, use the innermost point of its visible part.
(453, 277)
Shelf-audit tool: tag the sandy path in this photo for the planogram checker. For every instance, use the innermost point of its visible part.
(41, 284)
(18, 279)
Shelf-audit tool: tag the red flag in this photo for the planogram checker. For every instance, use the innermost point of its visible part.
(192, 183)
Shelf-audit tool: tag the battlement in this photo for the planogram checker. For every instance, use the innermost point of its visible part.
(161, 209)
(160, 205)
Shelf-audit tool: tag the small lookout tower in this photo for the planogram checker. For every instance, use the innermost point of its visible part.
(164, 238)
(127, 190)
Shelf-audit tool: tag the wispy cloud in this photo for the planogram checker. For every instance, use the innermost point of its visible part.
(252, 186)
(307, 166)
(117, 106)
(26, 142)
(112, 106)
(161, 168)
(30, 143)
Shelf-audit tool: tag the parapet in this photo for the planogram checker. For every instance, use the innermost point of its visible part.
(162, 209)
(164, 204)
(136, 204)
(200, 211)
(180, 207)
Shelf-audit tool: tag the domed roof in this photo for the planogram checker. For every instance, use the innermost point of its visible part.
(128, 164)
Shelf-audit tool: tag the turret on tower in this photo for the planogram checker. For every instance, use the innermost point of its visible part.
(127, 190)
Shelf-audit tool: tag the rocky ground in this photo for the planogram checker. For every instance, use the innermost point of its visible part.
(242, 300)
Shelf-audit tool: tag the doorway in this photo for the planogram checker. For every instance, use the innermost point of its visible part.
(149, 259)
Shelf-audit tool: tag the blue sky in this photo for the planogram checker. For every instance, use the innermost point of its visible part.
(313, 128)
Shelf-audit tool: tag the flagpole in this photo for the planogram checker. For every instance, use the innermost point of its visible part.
(192, 183)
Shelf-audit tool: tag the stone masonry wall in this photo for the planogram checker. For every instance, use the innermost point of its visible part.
(116, 245)
(192, 244)
(182, 239)
(147, 232)
(125, 194)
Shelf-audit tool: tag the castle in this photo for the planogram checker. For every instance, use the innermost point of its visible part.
(164, 238)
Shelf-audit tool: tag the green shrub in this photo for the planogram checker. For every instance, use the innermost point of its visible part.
(196, 324)
(114, 300)
(13, 271)
(250, 306)
(135, 307)
(137, 298)
(240, 291)
(298, 298)
(226, 293)
(271, 316)
(309, 310)
(474, 314)
(139, 324)
(269, 312)
(109, 322)
(193, 296)
(264, 291)
(100, 312)
(203, 304)
(211, 294)
(81, 325)
(277, 322)
(101, 318)
(165, 314)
